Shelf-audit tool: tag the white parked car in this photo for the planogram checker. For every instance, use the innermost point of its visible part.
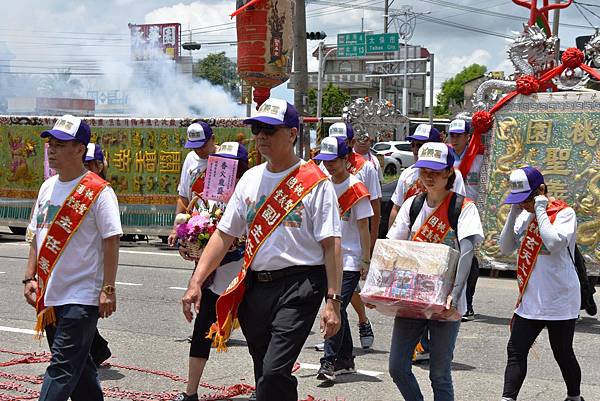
(398, 150)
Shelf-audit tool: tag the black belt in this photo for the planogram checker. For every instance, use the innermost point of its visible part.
(269, 276)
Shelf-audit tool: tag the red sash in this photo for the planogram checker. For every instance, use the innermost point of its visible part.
(352, 195)
(61, 230)
(531, 246)
(284, 198)
(437, 226)
(416, 189)
(355, 163)
(475, 148)
(198, 185)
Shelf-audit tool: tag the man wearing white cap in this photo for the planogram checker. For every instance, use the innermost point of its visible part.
(469, 164)
(288, 210)
(73, 258)
(202, 142)
(365, 170)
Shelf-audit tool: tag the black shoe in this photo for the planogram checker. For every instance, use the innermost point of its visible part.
(185, 397)
(570, 400)
(469, 316)
(326, 371)
(344, 366)
(99, 357)
(252, 396)
(365, 332)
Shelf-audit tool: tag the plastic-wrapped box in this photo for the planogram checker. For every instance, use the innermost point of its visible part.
(411, 279)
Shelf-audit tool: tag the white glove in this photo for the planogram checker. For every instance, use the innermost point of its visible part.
(541, 202)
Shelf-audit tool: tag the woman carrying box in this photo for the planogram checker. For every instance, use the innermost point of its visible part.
(443, 217)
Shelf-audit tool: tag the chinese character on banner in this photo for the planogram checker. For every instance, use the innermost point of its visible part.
(220, 178)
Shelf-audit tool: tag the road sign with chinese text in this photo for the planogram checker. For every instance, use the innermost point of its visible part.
(351, 44)
(385, 42)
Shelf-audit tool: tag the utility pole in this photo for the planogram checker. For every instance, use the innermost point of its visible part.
(386, 12)
(431, 81)
(555, 25)
(300, 62)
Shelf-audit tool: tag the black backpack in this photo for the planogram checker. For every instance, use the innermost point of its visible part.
(454, 209)
(586, 288)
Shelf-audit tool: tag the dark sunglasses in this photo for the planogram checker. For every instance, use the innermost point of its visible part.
(265, 128)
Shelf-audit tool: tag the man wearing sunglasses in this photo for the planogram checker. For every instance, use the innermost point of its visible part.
(460, 136)
(288, 210)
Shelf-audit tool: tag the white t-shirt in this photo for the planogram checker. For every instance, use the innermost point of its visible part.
(193, 165)
(375, 161)
(296, 241)
(473, 177)
(552, 292)
(79, 272)
(469, 224)
(409, 176)
(368, 176)
(351, 247)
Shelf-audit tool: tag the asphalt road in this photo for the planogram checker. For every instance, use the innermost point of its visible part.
(148, 332)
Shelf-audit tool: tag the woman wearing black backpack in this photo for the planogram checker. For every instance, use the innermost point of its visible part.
(441, 217)
(544, 229)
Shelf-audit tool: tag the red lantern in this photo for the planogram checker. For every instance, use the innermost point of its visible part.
(265, 44)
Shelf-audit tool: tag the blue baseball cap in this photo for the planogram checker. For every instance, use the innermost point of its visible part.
(435, 156)
(459, 126)
(94, 152)
(276, 112)
(232, 150)
(198, 134)
(343, 130)
(69, 128)
(425, 133)
(332, 147)
(523, 182)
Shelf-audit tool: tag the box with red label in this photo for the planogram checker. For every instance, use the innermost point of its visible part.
(411, 279)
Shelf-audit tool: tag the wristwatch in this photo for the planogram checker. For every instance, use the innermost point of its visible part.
(108, 289)
(334, 297)
(28, 279)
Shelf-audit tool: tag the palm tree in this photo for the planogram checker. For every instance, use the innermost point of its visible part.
(60, 84)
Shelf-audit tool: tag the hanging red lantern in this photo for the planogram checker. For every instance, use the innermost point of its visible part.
(265, 44)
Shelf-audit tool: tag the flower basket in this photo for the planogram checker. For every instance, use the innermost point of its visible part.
(194, 228)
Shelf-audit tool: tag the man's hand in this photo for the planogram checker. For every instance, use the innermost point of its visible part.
(172, 239)
(107, 305)
(191, 301)
(364, 269)
(330, 319)
(30, 292)
(450, 308)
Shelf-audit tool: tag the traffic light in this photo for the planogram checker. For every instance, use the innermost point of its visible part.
(315, 35)
(191, 46)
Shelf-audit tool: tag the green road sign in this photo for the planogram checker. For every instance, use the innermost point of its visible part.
(385, 42)
(351, 44)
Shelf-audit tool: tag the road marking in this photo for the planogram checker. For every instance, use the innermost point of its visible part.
(311, 366)
(150, 253)
(16, 330)
(2, 272)
(129, 284)
(178, 288)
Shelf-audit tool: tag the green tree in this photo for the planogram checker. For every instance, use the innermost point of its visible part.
(60, 84)
(219, 70)
(453, 88)
(334, 100)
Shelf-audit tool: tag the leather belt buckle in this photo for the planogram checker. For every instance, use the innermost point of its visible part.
(264, 277)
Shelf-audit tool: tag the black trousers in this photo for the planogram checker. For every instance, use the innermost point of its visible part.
(276, 318)
(472, 283)
(524, 332)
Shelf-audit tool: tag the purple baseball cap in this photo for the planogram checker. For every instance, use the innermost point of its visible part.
(425, 133)
(435, 156)
(276, 112)
(343, 130)
(332, 147)
(69, 128)
(198, 134)
(94, 152)
(523, 182)
(232, 150)
(459, 126)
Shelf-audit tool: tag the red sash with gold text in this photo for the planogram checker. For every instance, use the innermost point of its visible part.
(531, 246)
(352, 195)
(416, 189)
(437, 226)
(354, 163)
(284, 198)
(61, 230)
